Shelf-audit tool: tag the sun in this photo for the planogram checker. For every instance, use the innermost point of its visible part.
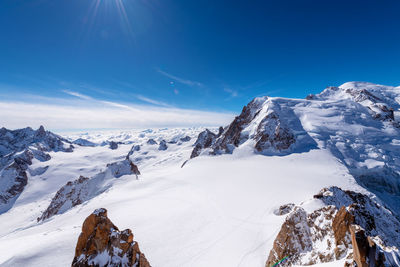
(109, 6)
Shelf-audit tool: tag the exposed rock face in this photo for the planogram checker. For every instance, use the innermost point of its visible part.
(340, 227)
(352, 226)
(17, 150)
(205, 140)
(269, 125)
(82, 189)
(163, 145)
(102, 244)
(12, 141)
(365, 252)
(306, 238)
(273, 134)
(13, 179)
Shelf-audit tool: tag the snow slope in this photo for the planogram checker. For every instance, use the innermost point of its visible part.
(221, 215)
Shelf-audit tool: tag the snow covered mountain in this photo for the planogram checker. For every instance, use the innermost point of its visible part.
(306, 181)
(358, 122)
(17, 150)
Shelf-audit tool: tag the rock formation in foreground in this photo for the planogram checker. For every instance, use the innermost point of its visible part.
(82, 189)
(351, 226)
(101, 243)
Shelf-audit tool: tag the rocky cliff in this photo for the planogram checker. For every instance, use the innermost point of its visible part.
(17, 150)
(82, 189)
(351, 226)
(101, 243)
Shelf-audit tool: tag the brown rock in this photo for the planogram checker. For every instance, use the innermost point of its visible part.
(341, 231)
(102, 244)
(365, 252)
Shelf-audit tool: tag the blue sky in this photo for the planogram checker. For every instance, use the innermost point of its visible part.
(207, 58)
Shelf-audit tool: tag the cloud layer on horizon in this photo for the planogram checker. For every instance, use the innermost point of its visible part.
(81, 114)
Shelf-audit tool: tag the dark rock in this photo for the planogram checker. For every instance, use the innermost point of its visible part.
(185, 139)
(204, 140)
(151, 141)
(113, 145)
(163, 145)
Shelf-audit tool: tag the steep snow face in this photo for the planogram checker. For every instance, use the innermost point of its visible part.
(17, 150)
(382, 101)
(358, 122)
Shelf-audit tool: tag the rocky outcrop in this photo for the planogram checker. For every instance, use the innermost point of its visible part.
(17, 150)
(272, 134)
(284, 209)
(84, 142)
(352, 226)
(163, 145)
(151, 141)
(82, 189)
(185, 139)
(305, 238)
(205, 140)
(113, 145)
(13, 179)
(14, 175)
(101, 243)
(268, 125)
(365, 252)
(13, 141)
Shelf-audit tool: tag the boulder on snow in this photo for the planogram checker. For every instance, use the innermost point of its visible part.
(101, 243)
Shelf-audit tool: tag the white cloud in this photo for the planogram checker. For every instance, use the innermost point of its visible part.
(180, 80)
(89, 115)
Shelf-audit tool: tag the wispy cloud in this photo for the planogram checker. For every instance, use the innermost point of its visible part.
(152, 101)
(76, 94)
(233, 93)
(179, 79)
